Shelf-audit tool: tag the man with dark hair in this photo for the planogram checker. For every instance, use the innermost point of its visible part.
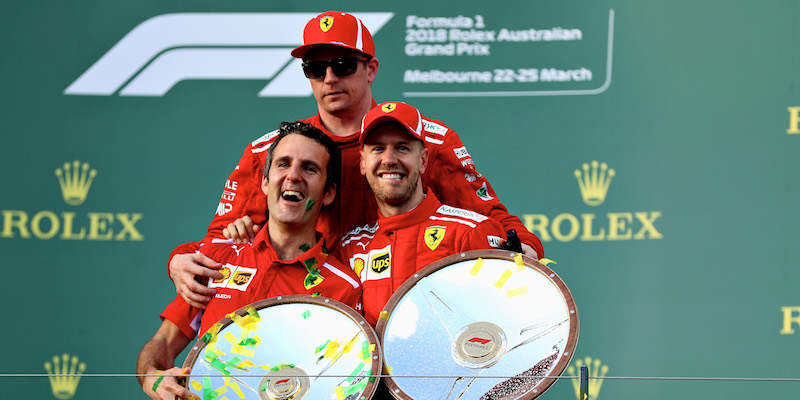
(287, 257)
(413, 228)
(339, 61)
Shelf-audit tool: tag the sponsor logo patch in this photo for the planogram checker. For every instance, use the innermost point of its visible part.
(326, 23)
(433, 127)
(234, 277)
(483, 193)
(381, 263)
(461, 152)
(434, 236)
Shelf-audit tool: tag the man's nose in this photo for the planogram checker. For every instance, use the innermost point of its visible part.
(294, 173)
(389, 157)
(329, 75)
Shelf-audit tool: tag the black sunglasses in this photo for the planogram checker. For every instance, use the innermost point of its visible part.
(341, 66)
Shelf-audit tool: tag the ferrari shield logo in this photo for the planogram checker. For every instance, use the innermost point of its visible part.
(434, 236)
(326, 23)
(388, 107)
(312, 280)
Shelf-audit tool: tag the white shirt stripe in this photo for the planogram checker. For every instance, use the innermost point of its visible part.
(341, 275)
(460, 221)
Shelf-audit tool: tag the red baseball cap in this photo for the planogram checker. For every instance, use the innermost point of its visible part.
(336, 28)
(402, 113)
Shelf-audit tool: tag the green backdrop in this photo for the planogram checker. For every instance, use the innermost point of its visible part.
(686, 268)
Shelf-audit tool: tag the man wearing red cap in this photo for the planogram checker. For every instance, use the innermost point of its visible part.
(340, 63)
(413, 228)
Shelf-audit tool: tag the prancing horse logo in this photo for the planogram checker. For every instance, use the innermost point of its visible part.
(434, 236)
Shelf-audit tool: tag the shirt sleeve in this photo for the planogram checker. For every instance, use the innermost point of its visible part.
(453, 177)
(184, 316)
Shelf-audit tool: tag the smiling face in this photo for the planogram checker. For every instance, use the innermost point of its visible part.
(392, 161)
(297, 175)
(338, 95)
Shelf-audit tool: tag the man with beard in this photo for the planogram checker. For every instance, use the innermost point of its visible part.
(413, 228)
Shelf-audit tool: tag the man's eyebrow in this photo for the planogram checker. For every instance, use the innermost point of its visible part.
(311, 162)
(283, 158)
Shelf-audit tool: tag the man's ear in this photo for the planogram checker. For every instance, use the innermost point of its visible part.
(330, 195)
(423, 163)
(265, 185)
(372, 69)
(362, 165)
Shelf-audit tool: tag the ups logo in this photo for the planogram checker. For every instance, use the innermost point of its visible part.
(242, 278)
(381, 263)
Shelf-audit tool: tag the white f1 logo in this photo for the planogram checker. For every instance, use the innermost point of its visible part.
(169, 48)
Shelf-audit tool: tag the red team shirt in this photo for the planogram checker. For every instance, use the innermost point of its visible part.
(451, 175)
(386, 253)
(253, 272)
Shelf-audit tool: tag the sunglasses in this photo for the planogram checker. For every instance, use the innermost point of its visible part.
(341, 66)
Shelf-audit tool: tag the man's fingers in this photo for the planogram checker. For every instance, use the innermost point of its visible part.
(206, 261)
(528, 251)
(248, 226)
(169, 387)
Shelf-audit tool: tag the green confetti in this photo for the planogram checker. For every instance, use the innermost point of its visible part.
(208, 393)
(220, 366)
(206, 337)
(316, 294)
(281, 366)
(250, 342)
(233, 362)
(322, 347)
(158, 382)
(364, 350)
(309, 204)
(310, 263)
(307, 314)
(263, 387)
(356, 372)
(305, 247)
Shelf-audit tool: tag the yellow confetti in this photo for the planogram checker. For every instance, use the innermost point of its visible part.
(519, 262)
(330, 351)
(387, 370)
(545, 261)
(503, 279)
(349, 346)
(242, 351)
(214, 330)
(235, 386)
(477, 267)
(517, 291)
(245, 363)
(196, 385)
(339, 393)
(229, 337)
(384, 315)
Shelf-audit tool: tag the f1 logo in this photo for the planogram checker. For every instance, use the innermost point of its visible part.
(169, 48)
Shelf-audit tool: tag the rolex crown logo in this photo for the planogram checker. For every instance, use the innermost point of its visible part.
(594, 182)
(596, 371)
(64, 386)
(75, 180)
